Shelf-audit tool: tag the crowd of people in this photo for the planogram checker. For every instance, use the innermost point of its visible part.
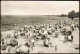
(34, 33)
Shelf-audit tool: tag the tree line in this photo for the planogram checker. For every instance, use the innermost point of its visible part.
(72, 14)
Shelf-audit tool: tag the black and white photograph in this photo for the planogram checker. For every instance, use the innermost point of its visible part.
(39, 27)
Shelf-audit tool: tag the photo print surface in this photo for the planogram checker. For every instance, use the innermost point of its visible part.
(39, 26)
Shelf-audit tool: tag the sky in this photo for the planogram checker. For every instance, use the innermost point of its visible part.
(38, 7)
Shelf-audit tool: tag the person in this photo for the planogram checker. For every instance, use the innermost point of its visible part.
(65, 38)
(44, 37)
(28, 45)
(2, 41)
(20, 52)
(72, 37)
(55, 48)
(28, 51)
(36, 37)
(72, 27)
(49, 43)
(56, 28)
(56, 34)
(13, 42)
(16, 35)
(32, 43)
(3, 47)
(27, 35)
(9, 49)
(44, 42)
